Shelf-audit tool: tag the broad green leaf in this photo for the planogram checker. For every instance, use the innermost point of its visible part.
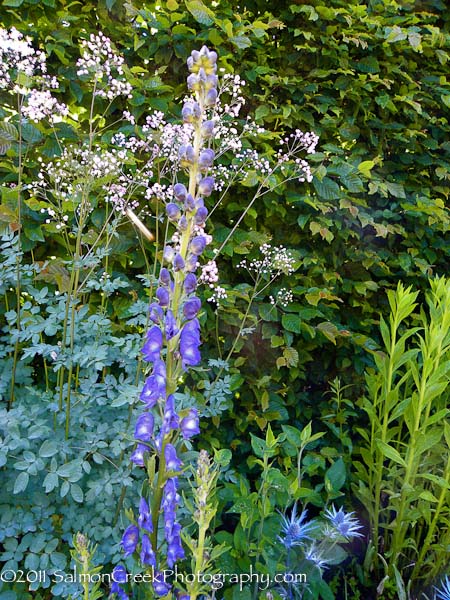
(390, 452)
(201, 13)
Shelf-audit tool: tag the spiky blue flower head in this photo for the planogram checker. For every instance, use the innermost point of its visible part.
(344, 523)
(443, 593)
(294, 530)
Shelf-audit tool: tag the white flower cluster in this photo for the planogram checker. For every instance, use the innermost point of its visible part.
(275, 260)
(42, 105)
(102, 62)
(18, 55)
(283, 297)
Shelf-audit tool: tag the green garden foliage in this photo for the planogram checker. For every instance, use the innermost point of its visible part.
(372, 81)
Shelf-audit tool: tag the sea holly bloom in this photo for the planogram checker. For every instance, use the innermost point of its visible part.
(343, 523)
(295, 531)
(130, 539)
(443, 593)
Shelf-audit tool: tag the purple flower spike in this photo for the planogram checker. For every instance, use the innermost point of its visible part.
(178, 263)
(147, 555)
(190, 283)
(191, 307)
(155, 385)
(190, 112)
(130, 539)
(153, 344)
(180, 192)
(173, 211)
(144, 427)
(159, 585)
(206, 185)
(206, 158)
(197, 245)
(137, 456)
(145, 517)
(190, 424)
(207, 129)
(163, 296)
(200, 215)
(171, 419)
(156, 312)
(189, 203)
(173, 463)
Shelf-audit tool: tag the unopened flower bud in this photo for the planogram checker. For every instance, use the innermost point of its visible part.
(186, 155)
(163, 296)
(190, 283)
(168, 254)
(201, 215)
(206, 158)
(191, 112)
(207, 128)
(206, 185)
(189, 203)
(173, 211)
(164, 277)
(178, 263)
(197, 244)
(211, 97)
(183, 224)
(180, 192)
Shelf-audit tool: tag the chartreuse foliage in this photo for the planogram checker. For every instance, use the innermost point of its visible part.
(404, 476)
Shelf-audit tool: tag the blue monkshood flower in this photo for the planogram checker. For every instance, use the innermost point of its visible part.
(443, 593)
(190, 283)
(169, 503)
(211, 97)
(153, 344)
(197, 245)
(119, 575)
(159, 585)
(189, 203)
(207, 129)
(206, 159)
(178, 263)
(180, 192)
(145, 517)
(163, 296)
(156, 312)
(344, 523)
(211, 81)
(173, 463)
(191, 111)
(294, 529)
(183, 223)
(174, 548)
(191, 307)
(155, 385)
(202, 58)
(173, 211)
(144, 427)
(164, 277)
(186, 154)
(168, 254)
(200, 215)
(190, 424)
(193, 82)
(147, 555)
(137, 456)
(171, 328)
(191, 263)
(171, 419)
(206, 186)
(189, 344)
(130, 539)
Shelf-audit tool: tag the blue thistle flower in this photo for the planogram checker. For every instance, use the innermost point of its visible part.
(295, 531)
(444, 592)
(344, 523)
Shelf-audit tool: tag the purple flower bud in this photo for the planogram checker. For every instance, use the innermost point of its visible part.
(190, 424)
(197, 244)
(170, 325)
(145, 517)
(211, 97)
(147, 555)
(183, 224)
(156, 312)
(200, 215)
(153, 344)
(191, 307)
(190, 283)
(174, 548)
(168, 254)
(206, 159)
(206, 186)
(144, 427)
(180, 192)
(173, 211)
(173, 463)
(207, 129)
(137, 456)
(178, 263)
(164, 277)
(211, 82)
(189, 344)
(163, 296)
(130, 539)
(119, 575)
(189, 203)
(193, 82)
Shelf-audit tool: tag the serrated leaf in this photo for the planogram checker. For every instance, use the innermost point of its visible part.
(291, 357)
(8, 134)
(327, 188)
(291, 322)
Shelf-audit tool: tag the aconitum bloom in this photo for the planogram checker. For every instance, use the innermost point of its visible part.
(206, 185)
(174, 548)
(145, 518)
(130, 539)
(168, 253)
(190, 283)
(171, 419)
(119, 575)
(156, 312)
(211, 97)
(197, 244)
(207, 128)
(178, 263)
(144, 427)
(200, 215)
(147, 555)
(173, 463)
(186, 154)
(173, 211)
(164, 277)
(190, 112)
(153, 344)
(189, 345)
(190, 424)
(183, 224)
(191, 307)
(171, 328)
(206, 158)
(180, 192)
(155, 385)
(189, 203)
(160, 587)
(163, 296)
(137, 456)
